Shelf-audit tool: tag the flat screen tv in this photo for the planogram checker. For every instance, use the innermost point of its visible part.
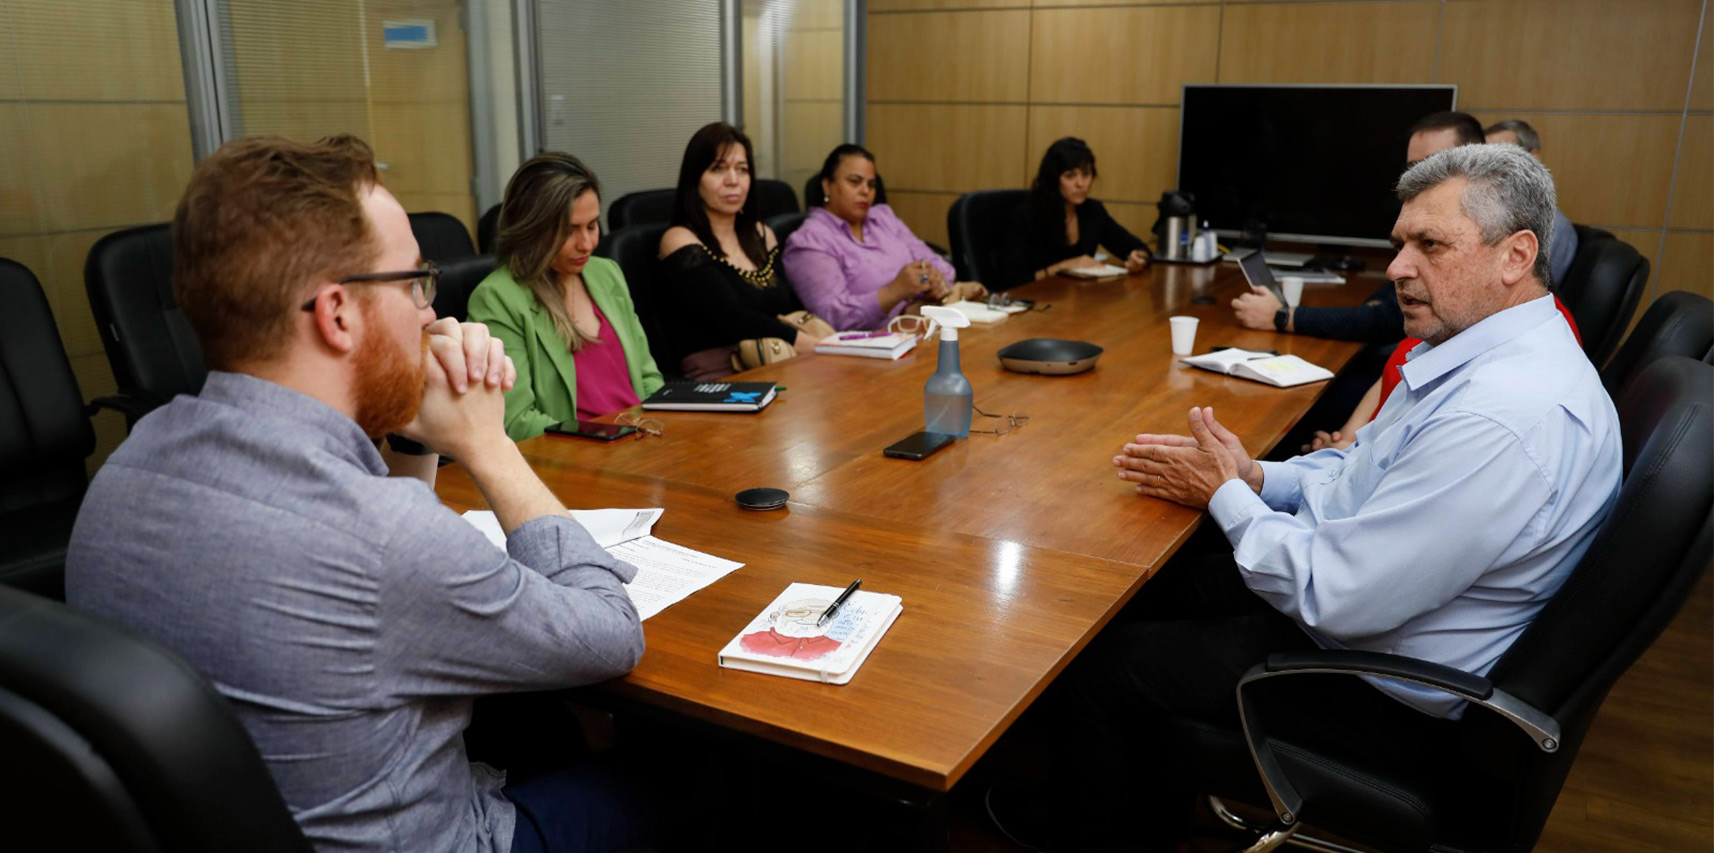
(1309, 163)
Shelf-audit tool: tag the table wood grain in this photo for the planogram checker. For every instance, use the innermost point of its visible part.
(1010, 552)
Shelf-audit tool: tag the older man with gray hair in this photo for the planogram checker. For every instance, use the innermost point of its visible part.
(1439, 535)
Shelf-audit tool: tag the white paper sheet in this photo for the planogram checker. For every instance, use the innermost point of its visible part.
(666, 573)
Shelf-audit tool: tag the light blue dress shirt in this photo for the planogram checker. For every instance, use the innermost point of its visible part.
(1457, 514)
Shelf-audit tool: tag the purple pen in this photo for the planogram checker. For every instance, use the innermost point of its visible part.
(858, 336)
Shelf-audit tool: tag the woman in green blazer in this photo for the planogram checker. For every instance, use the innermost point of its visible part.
(558, 309)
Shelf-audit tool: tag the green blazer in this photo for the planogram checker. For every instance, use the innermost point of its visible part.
(546, 391)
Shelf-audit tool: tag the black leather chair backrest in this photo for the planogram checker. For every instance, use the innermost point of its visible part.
(486, 228)
(814, 197)
(1678, 323)
(640, 208)
(125, 747)
(1602, 289)
(458, 278)
(149, 343)
(636, 249)
(1587, 234)
(785, 224)
(44, 438)
(1642, 565)
(441, 237)
(977, 224)
(773, 198)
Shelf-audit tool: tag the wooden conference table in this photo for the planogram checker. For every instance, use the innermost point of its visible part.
(1010, 552)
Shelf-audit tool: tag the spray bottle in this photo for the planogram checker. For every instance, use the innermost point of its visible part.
(947, 397)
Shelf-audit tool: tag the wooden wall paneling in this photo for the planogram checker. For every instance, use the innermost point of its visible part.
(949, 56)
(752, 74)
(926, 5)
(1693, 191)
(138, 59)
(310, 120)
(1138, 55)
(1137, 218)
(812, 129)
(20, 202)
(296, 52)
(63, 279)
(814, 67)
(1686, 264)
(1607, 169)
(1051, 3)
(108, 165)
(1702, 82)
(818, 14)
(426, 146)
(1136, 148)
(1329, 43)
(946, 147)
(1569, 54)
(925, 213)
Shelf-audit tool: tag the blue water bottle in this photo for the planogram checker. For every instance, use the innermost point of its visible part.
(947, 397)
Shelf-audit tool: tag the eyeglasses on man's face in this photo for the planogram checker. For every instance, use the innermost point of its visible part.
(423, 281)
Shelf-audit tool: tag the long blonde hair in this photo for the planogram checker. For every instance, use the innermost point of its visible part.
(535, 220)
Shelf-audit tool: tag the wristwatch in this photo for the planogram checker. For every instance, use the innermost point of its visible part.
(1281, 318)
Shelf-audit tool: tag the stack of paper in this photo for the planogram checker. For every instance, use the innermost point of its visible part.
(666, 573)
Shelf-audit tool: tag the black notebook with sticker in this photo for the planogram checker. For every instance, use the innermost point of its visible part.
(712, 396)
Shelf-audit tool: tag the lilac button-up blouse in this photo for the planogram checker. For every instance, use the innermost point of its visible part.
(838, 277)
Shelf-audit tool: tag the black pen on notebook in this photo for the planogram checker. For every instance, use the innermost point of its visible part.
(834, 607)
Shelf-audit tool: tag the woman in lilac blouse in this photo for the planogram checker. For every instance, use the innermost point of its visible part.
(854, 263)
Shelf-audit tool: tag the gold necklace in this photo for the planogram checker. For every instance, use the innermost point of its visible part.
(761, 278)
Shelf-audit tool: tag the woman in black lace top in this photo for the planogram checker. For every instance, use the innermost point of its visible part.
(721, 279)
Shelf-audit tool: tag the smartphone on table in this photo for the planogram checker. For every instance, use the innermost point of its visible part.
(918, 446)
(591, 429)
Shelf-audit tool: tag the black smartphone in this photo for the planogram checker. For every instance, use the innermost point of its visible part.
(590, 429)
(918, 446)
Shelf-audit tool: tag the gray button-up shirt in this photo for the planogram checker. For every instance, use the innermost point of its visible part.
(349, 617)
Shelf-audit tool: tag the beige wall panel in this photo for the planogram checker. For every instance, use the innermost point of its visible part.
(1645, 241)
(752, 76)
(309, 120)
(947, 148)
(1687, 264)
(107, 165)
(813, 66)
(949, 56)
(925, 213)
(1702, 84)
(1608, 169)
(1569, 54)
(438, 73)
(20, 202)
(1329, 43)
(819, 15)
(66, 255)
(1136, 148)
(919, 5)
(32, 252)
(138, 59)
(812, 129)
(424, 151)
(1138, 55)
(1693, 197)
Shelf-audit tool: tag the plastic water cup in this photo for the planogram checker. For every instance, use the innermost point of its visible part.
(1183, 335)
(1293, 287)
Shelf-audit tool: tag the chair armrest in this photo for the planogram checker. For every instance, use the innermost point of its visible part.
(1479, 691)
(129, 406)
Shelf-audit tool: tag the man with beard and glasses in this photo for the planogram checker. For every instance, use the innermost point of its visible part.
(349, 617)
(1439, 536)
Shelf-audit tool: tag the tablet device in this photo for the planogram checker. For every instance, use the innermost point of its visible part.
(1256, 272)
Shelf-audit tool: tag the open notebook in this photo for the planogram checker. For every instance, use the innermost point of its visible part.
(1265, 367)
(784, 639)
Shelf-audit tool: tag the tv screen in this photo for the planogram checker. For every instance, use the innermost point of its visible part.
(1310, 163)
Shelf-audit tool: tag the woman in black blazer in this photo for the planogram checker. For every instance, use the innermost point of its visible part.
(1060, 226)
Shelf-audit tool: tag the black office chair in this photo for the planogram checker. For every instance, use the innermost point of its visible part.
(785, 224)
(773, 198)
(640, 208)
(458, 278)
(125, 747)
(1526, 720)
(636, 250)
(486, 228)
(1587, 234)
(1678, 323)
(1602, 288)
(44, 438)
(149, 343)
(441, 237)
(977, 224)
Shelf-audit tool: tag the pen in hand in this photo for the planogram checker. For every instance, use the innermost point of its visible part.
(834, 607)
